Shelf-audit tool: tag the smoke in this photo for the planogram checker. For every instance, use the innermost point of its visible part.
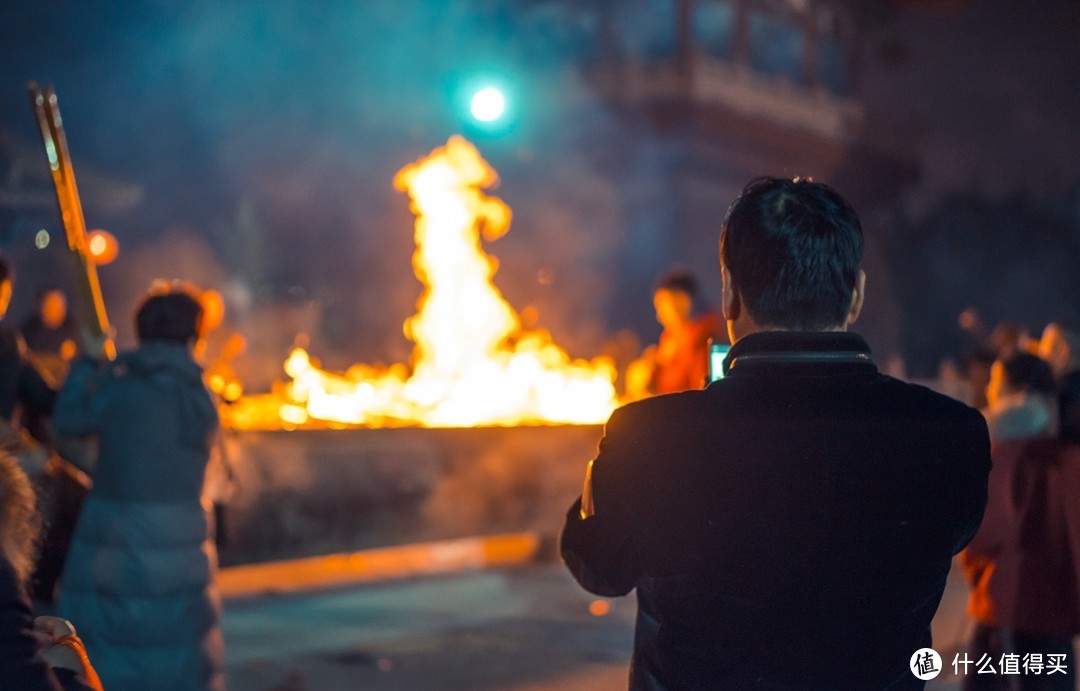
(179, 253)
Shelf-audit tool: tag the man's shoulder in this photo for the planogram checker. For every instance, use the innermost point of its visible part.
(932, 417)
(655, 413)
(917, 399)
(664, 404)
(883, 396)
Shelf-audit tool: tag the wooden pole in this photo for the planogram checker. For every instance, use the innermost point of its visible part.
(88, 289)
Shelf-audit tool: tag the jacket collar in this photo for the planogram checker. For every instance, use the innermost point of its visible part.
(160, 356)
(767, 350)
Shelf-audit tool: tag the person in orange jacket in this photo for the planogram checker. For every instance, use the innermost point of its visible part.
(680, 361)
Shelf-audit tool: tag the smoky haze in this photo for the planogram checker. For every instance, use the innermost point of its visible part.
(262, 140)
(265, 139)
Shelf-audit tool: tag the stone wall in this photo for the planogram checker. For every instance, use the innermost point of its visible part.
(311, 492)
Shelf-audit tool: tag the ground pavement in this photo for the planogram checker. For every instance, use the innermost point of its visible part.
(518, 629)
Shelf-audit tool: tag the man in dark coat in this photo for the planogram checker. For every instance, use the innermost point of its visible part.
(792, 525)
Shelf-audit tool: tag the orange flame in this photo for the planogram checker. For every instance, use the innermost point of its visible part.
(474, 364)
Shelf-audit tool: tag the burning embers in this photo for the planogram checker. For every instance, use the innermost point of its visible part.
(474, 364)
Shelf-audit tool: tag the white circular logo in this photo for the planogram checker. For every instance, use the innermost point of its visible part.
(925, 663)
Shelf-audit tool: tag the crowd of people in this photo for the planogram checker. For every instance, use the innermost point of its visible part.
(1023, 565)
(138, 571)
(805, 504)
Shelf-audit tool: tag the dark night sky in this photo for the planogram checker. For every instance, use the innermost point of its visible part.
(290, 121)
(191, 100)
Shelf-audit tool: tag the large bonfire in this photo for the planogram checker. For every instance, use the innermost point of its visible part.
(473, 363)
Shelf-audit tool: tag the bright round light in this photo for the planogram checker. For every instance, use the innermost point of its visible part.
(41, 240)
(102, 246)
(98, 246)
(488, 104)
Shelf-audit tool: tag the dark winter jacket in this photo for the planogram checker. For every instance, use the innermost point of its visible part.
(789, 527)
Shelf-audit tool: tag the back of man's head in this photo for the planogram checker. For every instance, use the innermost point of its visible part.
(793, 249)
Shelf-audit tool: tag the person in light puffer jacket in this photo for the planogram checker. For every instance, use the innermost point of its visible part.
(139, 578)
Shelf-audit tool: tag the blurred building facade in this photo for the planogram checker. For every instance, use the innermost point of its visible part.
(727, 90)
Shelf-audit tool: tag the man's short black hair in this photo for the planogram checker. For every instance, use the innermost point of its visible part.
(678, 280)
(1029, 373)
(793, 249)
(171, 316)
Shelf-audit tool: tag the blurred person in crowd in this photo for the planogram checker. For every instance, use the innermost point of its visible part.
(1009, 338)
(140, 575)
(1023, 565)
(51, 332)
(1020, 398)
(977, 365)
(680, 361)
(42, 654)
(27, 397)
(950, 381)
(805, 506)
(1060, 346)
(21, 385)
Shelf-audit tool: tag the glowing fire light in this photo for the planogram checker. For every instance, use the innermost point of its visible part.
(474, 364)
(103, 247)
